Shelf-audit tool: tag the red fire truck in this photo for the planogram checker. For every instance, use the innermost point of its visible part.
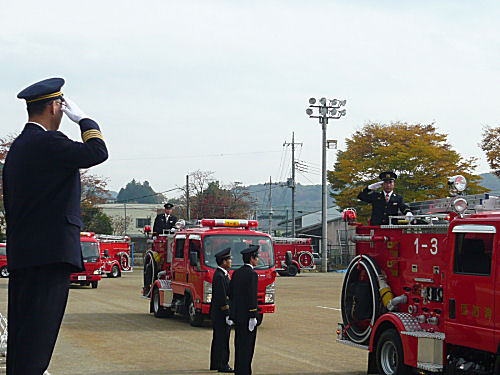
(116, 254)
(425, 296)
(92, 261)
(179, 267)
(293, 255)
(3, 260)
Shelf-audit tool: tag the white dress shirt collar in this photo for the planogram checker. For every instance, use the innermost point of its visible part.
(36, 123)
(223, 270)
(249, 265)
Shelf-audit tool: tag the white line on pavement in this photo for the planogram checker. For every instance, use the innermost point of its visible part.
(329, 308)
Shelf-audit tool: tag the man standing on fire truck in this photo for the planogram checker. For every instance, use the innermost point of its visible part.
(165, 220)
(384, 203)
(243, 297)
(41, 182)
(219, 312)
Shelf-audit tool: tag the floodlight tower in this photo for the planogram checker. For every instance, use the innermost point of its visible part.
(326, 110)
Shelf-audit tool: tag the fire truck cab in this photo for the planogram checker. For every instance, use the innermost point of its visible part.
(293, 255)
(3, 260)
(425, 296)
(92, 261)
(116, 254)
(179, 267)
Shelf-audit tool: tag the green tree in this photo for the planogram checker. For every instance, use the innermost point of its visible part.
(137, 192)
(94, 192)
(419, 155)
(94, 220)
(490, 144)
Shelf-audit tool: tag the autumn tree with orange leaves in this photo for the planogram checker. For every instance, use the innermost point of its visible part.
(490, 144)
(418, 154)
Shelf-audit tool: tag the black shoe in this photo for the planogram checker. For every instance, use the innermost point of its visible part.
(226, 369)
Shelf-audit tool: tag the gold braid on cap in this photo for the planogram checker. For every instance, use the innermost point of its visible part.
(48, 96)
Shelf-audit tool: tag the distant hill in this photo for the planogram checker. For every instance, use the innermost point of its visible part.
(491, 182)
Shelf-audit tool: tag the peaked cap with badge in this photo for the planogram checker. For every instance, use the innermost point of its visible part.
(43, 91)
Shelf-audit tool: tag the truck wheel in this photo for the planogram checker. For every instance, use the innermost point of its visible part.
(4, 272)
(94, 284)
(292, 270)
(390, 356)
(195, 318)
(259, 319)
(158, 310)
(115, 271)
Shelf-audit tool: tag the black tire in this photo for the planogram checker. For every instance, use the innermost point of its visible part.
(4, 272)
(158, 310)
(390, 355)
(115, 271)
(292, 270)
(282, 273)
(195, 318)
(94, 284)
(259, 319)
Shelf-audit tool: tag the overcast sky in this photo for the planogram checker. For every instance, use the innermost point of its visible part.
(220, 85)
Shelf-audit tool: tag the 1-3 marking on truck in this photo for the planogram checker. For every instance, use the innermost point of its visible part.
(434, 246)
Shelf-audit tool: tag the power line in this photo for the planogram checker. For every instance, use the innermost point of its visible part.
(195, 156)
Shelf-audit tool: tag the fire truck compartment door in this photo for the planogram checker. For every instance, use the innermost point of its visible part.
(179, 261)
(470, 292)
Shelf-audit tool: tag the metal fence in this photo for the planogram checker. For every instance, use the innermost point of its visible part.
(339, 256)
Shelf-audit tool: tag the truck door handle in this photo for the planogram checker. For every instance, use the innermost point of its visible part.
(452, 308)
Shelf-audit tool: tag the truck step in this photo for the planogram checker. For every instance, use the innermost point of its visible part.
(426, 335)
(431, 367)
(350, 343)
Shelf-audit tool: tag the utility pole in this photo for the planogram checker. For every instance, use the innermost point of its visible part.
(326, 111)
(270, 205)
(188, 213)
(291, 182)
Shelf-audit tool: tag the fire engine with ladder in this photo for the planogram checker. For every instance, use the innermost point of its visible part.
(116, 254)
(179, 267)
(424, 296)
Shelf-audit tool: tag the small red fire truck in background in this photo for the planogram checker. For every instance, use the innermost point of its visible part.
(425, 296)
(179, 267)
(293, 255)
(116, 254)
(3, 260)
(92, 261)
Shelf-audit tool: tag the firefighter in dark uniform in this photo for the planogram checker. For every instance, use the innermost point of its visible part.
(41, 182)
(244, 310)
(164, 221)
(385, 203)
(219, 312)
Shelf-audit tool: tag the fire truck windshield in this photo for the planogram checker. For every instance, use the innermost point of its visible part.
(90, 250)
(213, 244)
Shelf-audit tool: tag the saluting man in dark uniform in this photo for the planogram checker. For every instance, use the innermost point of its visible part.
(243, 297)
(41, 182)
(219, 312)
(164, 221)
(385, 203)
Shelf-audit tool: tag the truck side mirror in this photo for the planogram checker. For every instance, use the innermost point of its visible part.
(193, 259)
(106, 253)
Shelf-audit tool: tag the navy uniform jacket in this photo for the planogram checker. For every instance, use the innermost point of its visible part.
(380, 209)
(243, 295)
(160, 223)
(41, 182)
(219, 305)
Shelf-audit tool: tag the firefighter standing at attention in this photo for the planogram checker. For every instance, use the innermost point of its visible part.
(244, 309)
(385, 203)
(219, 312)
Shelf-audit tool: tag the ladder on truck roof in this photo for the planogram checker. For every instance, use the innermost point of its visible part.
(476, 202)
(111, 238)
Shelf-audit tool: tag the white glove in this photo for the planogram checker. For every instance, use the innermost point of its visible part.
(73, 111)
(252, 323)
(376, 185)
(409, 216)
(229, 322)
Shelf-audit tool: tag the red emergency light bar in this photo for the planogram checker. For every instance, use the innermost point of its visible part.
(87, 234)
(229, 223)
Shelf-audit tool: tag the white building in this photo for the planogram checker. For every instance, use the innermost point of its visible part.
(137, 216)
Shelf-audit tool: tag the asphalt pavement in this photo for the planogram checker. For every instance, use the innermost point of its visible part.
(109, 331)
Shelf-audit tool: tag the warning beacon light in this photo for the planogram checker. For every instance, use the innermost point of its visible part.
(229, 223)
(457, 183)
(147, 229)
(349, 215)
(460, 205)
